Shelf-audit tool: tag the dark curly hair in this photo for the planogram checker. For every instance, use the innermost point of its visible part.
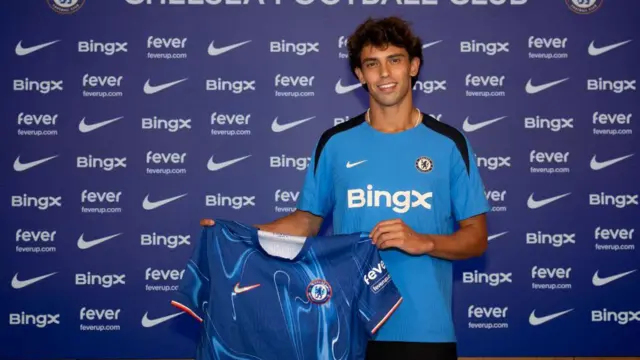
(380, 33)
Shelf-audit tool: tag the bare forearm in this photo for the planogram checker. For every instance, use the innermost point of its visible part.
(465, 243)
(298, 223)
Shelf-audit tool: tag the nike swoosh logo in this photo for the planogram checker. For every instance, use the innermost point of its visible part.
(598, 281)
(466, 126)
(595, 51)
(596, 165)
(213, 51)
(19, 166)
(150, 205)
(22, 51)
(84, 245)
(350, 165)
(345, 89)
(533, 89)
(148, 323)
(535, 204)
(152, 89)
(238, 290)
(534, 320)
(217, 166)
(19, 284)
(431, 44)
(85, 128)
(492, 237)
(275, 127)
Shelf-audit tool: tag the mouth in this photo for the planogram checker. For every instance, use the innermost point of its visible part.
(387, 87)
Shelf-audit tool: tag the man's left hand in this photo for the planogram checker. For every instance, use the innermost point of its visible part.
(395, 233)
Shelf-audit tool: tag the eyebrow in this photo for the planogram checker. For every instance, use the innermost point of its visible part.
(390, 56)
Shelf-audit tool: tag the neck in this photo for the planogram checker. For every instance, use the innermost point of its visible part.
(391, 119)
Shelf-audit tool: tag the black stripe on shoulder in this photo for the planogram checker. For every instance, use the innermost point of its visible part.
(450, 132)
(349, 124)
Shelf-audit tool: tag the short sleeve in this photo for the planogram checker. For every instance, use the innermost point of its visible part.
(316, 195)
(467, 188)
(193, 291)
(378, 296)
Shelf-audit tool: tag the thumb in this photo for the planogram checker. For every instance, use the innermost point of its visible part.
(207, 222)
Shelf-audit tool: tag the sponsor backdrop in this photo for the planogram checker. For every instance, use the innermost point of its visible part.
(126, 121)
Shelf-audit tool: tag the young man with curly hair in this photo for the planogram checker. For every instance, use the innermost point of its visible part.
(405, 178)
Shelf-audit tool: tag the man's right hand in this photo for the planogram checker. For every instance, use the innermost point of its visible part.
(207, 222)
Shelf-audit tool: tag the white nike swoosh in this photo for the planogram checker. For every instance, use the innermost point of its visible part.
(598, 281)
(20, 51)
(466, 126)
(350, 165)
(595, 165)
(595, 51)
(85, 128)
(532, 89)
(275, 127)
(18, 284)
(218, 51)
(431, 44)
(152, 89)
(217, 166)
(345, 89)
(150, 205)
(146, 322)
(533, 320)
(535, 204)
(84, 245)
(18, 166)
(496, 236)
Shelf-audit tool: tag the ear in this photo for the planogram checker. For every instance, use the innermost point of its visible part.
(414, 67)
(360, 75)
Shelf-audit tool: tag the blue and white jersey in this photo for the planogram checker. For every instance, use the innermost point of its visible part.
(261, 295)
(426, 176)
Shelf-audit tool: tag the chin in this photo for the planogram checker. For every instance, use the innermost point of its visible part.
(389, 99)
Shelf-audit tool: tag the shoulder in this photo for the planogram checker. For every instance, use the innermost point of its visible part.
(336, 131)
(451, 135)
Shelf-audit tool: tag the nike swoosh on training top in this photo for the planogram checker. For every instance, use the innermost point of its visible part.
(595, 51)
(150, 205)
(152, 89)
(535, 204)
(598, 281)
(533, 89)
(19, 284)
(345, 89)
(146, 322)
(84, 245)
(19, 166)
(238, 290)
(534, 320)
(596, 165)
(466, 126)
(22, 51)
(217, 166)
(431, 44)
(213, 51)
(85, 128)
(492, 237)
(275, 127)
(350, 165)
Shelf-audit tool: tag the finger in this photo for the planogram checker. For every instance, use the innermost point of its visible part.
(386, 229)
(393, 243)
(383, 238)
(207, 222)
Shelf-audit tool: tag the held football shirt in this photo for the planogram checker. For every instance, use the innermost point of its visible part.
(261, 295)
(426, 176)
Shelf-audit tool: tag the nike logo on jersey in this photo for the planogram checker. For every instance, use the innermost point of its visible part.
(22, 51)
(213, 51)
(20, 166)
(84, 245)
(19, 284)
(533, 89)
(350, 164)
(596, 165)
(85, 128)
(595, 51)
(536, 204)
(534, 320)
(151, 205)
(466, 126)
(340, 89)
(239, 290)
(598, 281)
(275, 127)
(148, 323)
(212, 166)
(152, 89)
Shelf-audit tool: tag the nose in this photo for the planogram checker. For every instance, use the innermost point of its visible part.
(384, 70)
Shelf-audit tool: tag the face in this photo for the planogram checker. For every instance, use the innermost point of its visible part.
(387, 73)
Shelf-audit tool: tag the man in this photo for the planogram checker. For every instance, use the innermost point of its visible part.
(407, 179)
